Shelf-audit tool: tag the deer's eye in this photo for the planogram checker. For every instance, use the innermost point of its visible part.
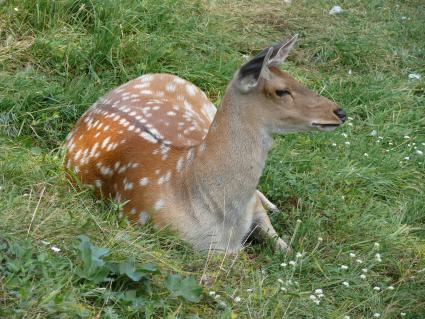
(282, 93)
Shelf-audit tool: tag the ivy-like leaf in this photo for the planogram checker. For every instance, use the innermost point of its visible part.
(187, 288)
(93, 266)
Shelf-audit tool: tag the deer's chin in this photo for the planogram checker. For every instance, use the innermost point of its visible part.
(324, 126)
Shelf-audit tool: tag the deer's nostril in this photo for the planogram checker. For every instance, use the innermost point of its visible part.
(341, 114)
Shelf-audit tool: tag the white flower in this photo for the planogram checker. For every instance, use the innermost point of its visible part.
(366, 154)
(373, 133)
(423, 144)
(414, 76)
(280, 281)
(222, 304)
(292, 263)
(346, 284)
(298, 255)
(313, 297)
(376, 288)
(407, 158)
(406, 137)
(344, 267)
(364, 270)
(359, 261)
(211, 293)
(349, 73)
(347, 143)
(55, 249)
(390, 143)
(333, 144)
(283, 264)
(376, 245)
(318, 291)
(390, 288)
(237, 299)
(344, 134)
(376, 315)
(335, 10)
(317, 302)
(363, 276)
(283, 289)
(320, 239)
(378, 257)
(16, 9)
(217, 296)
(402, 314)
(419, 152)
(352, 255)
(249, 290)
(346, 317)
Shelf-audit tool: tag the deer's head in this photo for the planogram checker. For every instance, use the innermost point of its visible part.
(283, 104)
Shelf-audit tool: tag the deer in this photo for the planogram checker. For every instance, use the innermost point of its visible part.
(158, 145)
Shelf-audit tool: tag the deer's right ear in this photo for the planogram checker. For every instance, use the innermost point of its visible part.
(249, 75)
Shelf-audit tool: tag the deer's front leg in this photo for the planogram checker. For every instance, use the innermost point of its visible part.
(264, 227)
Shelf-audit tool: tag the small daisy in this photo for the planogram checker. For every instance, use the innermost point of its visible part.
(352, 255)
(363, 276)
(376, 315)
(298, 255)
(376, 245)
(237, 299)
(318, 291)
(320, 239)
(390, 288)
(212, 293)
(419, 152)
(344, 267)
(292, 263)
(378, 257)
(280, 281)
(283, 265)
(346, 284)
(249, 290)
(403, 314)
(376, 288)
(55, 249)
(283, 289)
(347, 143)
(359, 261)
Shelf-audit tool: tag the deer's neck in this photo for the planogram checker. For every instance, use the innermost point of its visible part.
(228, 165)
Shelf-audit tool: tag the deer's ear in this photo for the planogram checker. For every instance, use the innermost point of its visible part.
(283, 52)
(249, 75)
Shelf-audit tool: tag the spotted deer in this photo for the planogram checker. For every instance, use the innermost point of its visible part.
(157, 145)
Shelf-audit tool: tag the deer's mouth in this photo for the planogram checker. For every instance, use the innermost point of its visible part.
(325, 126)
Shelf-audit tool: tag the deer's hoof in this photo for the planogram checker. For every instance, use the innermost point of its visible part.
(281, 246)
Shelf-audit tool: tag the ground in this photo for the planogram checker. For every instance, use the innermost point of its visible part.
(352, 201)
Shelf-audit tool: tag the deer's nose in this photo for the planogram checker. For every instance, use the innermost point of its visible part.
(341, 114)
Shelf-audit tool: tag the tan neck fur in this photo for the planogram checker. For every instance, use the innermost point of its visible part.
(228, 165)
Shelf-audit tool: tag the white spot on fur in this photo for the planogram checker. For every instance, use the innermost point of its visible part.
(143, 218)
(191, 89)
(144, 181)
(148, 137)
(159, 204)
(179, 165)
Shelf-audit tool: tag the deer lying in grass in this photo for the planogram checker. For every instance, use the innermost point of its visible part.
(156, 145)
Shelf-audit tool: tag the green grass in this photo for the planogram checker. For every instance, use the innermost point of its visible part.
(350, 188)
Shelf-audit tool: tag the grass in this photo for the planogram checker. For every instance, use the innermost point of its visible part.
(357, 191)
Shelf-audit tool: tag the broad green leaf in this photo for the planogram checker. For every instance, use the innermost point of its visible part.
(187, 287)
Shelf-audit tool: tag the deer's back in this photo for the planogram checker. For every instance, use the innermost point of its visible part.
(134, 140)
